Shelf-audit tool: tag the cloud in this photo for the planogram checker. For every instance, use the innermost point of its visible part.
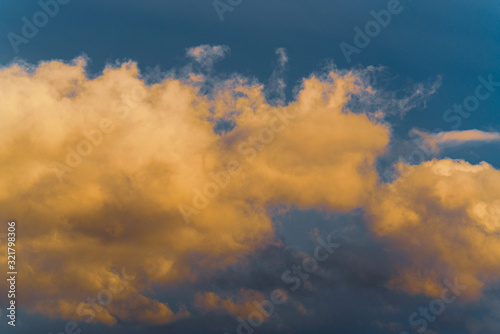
(455, 138)
(465, 136)
(277, 83)
(289, 157)
(282, 57)
(207, 55)
(380, 103)
(239, 306)
(96, 169)
(442, 219)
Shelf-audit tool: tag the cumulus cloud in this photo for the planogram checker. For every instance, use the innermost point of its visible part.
(109, 172)
(443, 219)
(96, 171)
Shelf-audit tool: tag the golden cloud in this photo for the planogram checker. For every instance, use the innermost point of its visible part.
(239, 306)
(104, 173)
(443, 219)
(454, 138)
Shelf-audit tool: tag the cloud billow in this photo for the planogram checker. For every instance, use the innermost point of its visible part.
(96, 170)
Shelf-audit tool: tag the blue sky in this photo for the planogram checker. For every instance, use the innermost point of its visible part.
(455, 40)
(430, 56)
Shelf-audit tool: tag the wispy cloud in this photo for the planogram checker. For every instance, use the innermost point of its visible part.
(465, 136)
(437, 141)
(207, 55)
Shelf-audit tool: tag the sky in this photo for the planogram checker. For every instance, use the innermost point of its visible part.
(237, 166)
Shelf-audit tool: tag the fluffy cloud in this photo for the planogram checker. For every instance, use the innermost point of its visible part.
(311, 153)
(442, 221)
(173, 185)
(95, 170)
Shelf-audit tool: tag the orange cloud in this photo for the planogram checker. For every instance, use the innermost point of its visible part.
(207, 55)
(95, 169)
(443, 219)
(104, 173)
(239, 306)
(434, 141)
(467, 135)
